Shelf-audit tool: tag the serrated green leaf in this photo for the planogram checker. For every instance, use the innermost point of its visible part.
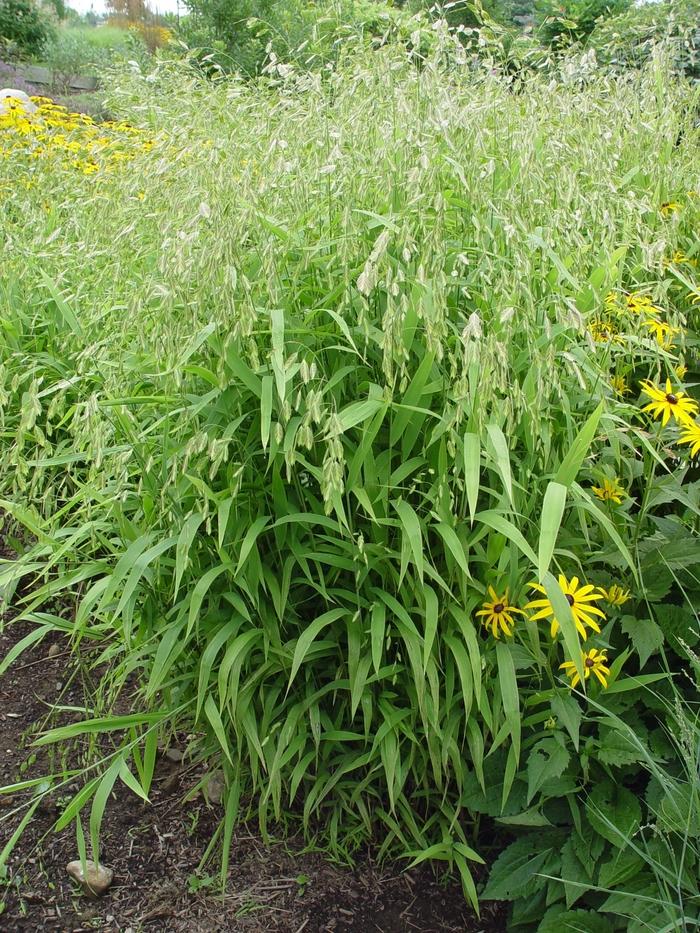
(614, 812)
(546, 761)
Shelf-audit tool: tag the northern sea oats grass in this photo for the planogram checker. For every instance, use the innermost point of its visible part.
(285, 395)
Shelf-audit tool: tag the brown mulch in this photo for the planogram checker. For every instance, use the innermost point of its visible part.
(154, 850)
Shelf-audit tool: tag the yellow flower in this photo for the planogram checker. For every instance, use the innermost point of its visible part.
(691, 435)
(670, 207)
(611, 302)
(665, 403)
(639, 303)
(610, 491)
(681, 371)
(662, 332)
(498, 614)
(679, 258)
(619, 386)
(593, 661)
(616, 595)
(603, 331)
(578, 597)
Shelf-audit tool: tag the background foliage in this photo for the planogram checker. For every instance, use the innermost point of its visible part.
(23, 26)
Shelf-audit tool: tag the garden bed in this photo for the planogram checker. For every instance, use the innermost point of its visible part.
(155, 850)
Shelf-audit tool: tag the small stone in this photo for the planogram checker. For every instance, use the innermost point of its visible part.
(95, 881)
(54, 650)
(174, 755)
(214, 787)
(8, 98)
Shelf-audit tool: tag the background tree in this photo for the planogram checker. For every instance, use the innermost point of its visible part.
(23, 26)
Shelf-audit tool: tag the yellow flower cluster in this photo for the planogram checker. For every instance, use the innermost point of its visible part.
(679, 258)
(498, 615)
(635, 305)
(667, 402)
(67, 140)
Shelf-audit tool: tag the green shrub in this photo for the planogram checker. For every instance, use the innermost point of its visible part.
(239, 36)
(69, 53)
(561, 24)
(23, 25)
(629, 39)
(343, 355)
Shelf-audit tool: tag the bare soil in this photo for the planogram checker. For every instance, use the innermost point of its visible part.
(154, 850)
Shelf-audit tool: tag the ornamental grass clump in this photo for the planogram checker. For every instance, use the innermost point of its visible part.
(297, 406)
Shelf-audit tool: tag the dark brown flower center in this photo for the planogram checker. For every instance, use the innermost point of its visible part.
(570, 599)
(589, 662)
(498, 608)
(672, 399)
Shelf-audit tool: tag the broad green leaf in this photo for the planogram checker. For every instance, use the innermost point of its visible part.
(19, 647)
(645, 635)
(547, 760)
(357, 413)
(501, 456)
(431, 622)
(454, 545)
(130, 781)
(509, 692)
(472, 468)
(212, 714)
(185, 540)
(377, 627)
(277, 355)
(16, 835)
(199, 593)
(515, 871)
(251, 536)
(307, 637)
(573, 461)
(564, 616)
(567, 711)
(550, 520)
(585, 502)
(614, 812)
(505, 526)
(412, 530)
(465, 875)
(266, 410)
(99, 802)
(67, 313)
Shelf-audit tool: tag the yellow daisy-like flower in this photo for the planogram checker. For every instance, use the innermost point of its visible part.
(619, 386)
(639, 303)
(603, 331)
(691, 435)
(670, 207)
(580, 598)
(679, 258)
(666, 403)
(616, 595)
(594, 661)
(610, 491)
(663, 332)
(611, 302)
(498, 614)
(681, 370)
